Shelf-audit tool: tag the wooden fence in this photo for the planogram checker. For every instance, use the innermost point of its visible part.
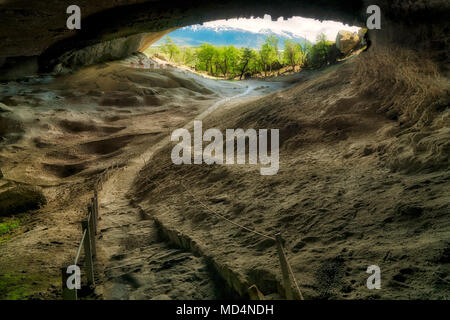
(88, 240)
(292, 290)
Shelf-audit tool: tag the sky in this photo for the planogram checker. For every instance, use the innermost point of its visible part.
(305, 27)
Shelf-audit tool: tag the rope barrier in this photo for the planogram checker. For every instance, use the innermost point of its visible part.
(77, 256)
(88, 238)
(288, 273)
(226, 219)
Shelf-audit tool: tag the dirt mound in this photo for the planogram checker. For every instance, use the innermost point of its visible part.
(77, 126)
(337, 199)
(122, 100)
(85, 126)
(106, 146)
(20, 199)
(40, 143)
(63, 170)
(62, 155)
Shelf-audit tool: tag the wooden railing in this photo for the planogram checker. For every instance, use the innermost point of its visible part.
(88, 242)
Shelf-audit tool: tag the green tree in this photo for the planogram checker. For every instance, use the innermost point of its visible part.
(188, 57)
(247, 56)
(291, 53)
(231, 62)
(229, 57)
(322, 52)
(269, 53)
(205, 54)
(303, 53)
(170, 48)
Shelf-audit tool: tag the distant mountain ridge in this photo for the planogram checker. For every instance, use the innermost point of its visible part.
(196, 35)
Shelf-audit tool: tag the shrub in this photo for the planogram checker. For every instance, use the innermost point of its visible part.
(323, 54)
(8, 226)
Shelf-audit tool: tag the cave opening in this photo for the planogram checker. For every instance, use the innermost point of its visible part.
(260, 47)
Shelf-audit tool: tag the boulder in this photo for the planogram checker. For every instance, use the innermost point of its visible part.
(346, 41)
(101, 52)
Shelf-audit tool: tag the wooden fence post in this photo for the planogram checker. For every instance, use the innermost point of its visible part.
(88, 254)
(287, 273)
(284, 268)
(91, 223)
(67, 294)
(94, 211)
(96, 204)
(94, 215)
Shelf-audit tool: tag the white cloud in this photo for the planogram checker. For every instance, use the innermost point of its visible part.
(305, 27)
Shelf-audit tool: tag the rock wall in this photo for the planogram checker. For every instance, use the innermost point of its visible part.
(103, 51)
(36, 28)
(421, 25)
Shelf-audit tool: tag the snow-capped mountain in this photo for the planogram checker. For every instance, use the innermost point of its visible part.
(221, 36)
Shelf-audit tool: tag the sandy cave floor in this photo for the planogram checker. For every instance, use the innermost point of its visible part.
(338, 205)
(68, 130)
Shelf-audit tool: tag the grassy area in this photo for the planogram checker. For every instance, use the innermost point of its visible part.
(10, 288)
(16, 284)
(7, 228)
(14, 205)
(20, 286)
